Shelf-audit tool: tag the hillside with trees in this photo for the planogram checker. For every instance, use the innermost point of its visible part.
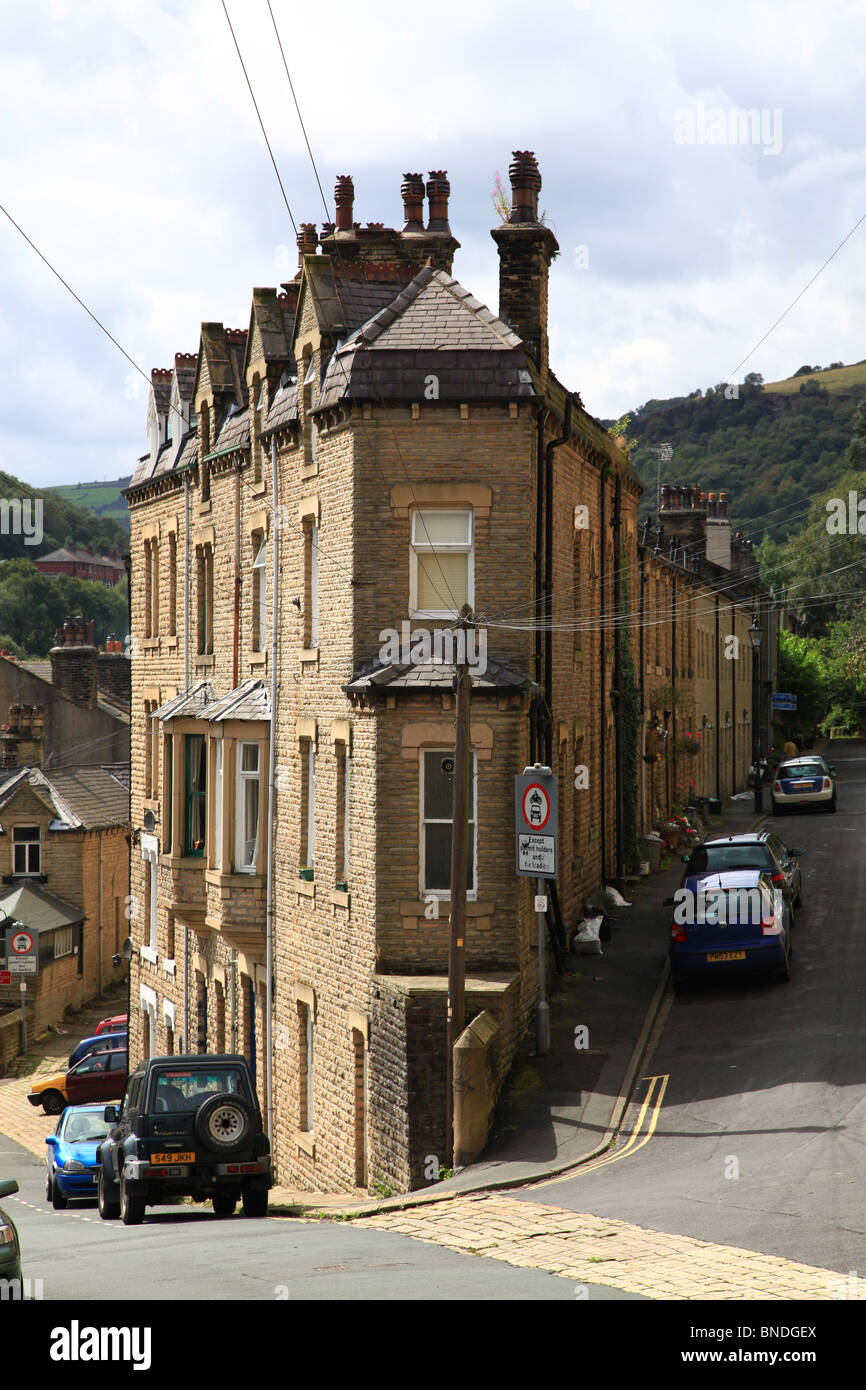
(32, 605)
(770, 448)
(61, 522)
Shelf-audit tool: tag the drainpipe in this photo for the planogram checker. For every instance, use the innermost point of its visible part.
(673, 682)
(186, 687)
(718, 708)
(642, 744)
(617, 672)
(535, 720)
(548, 580)
(99, 953)
(602, 499)
(272, 794)
(236, 635)
(186, 581)
(733, 703)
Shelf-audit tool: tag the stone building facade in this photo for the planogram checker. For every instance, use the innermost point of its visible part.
(64, 865)
(373, 451)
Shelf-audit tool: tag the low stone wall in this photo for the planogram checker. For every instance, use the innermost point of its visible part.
(407, 1068)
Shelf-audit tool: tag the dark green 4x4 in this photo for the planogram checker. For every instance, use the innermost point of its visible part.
(187, 1127)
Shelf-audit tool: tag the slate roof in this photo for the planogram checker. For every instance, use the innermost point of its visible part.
(190, 704)
(83, 798)
(33, 905)
(283, 409)
(435, 326)
(235, 431)
(70, 553)
(249, 701)
(435, 675)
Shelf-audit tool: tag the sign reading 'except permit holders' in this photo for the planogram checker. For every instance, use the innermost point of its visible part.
(22, 950)
(535, 808)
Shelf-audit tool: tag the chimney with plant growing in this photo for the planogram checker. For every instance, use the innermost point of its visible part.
(526, 249)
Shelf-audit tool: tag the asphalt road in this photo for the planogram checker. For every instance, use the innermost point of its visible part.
(760, 1138)
(182, 1253)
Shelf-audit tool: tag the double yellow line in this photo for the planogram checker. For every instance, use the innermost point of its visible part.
(643, 1131)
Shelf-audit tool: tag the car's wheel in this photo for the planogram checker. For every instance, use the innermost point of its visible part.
(53, 1103)
(680, 984)
(832, 807)
(255, 1201)
(784, 974)
(59, 1200)
(777, 809)
(224, 1123)
(107, 1198)
(131, 1207)
(224, 1204)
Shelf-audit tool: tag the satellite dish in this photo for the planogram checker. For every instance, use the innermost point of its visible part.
(126, 949)
(149, 821)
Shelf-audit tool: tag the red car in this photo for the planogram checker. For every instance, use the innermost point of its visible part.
(98, 1076)
(111, 1025)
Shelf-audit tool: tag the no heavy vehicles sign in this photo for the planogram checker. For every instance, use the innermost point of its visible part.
(535, 805)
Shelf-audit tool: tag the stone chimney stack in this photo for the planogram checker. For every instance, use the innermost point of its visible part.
(526, 248)
(73, 663)
(22, 742)
(683, 514)
(344, 199)
(114, 671)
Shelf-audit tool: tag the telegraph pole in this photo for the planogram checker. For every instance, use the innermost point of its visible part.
(456, 1012)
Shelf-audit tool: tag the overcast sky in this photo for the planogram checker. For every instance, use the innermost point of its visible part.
(132, 157)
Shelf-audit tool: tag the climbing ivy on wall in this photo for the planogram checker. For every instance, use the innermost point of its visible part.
(630, 713)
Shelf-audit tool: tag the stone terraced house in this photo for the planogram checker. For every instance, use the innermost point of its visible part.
(373, 451)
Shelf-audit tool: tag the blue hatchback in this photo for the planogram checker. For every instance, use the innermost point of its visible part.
(728, 923)
(105, 1042)
(71, 1156)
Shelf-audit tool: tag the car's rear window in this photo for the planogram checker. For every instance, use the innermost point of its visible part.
(802, 770)
(732, 906)
(184, 1088)
(717, 859)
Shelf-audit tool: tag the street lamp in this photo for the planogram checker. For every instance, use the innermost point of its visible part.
(756, 634)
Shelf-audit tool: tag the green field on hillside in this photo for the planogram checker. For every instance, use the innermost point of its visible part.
(104, 499)
(839, 379)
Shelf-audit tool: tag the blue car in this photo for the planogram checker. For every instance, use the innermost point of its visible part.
(735, 922)
(106, 1042)
(71, 1156)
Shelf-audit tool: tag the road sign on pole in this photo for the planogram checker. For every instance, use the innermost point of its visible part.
(535, 804)
(22, 950)
(535, 807)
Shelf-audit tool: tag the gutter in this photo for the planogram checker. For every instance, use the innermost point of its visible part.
(548, 579)
(617, 672)
(272, 791)
(602, 508)
(541, 414)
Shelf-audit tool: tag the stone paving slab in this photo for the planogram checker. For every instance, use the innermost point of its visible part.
(595, 1250)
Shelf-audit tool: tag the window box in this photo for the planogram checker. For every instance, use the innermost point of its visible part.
(306, 874)
(342, 886)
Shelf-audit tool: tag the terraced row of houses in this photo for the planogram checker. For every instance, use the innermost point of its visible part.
(324, 491)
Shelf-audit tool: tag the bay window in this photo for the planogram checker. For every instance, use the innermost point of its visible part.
(248, 787)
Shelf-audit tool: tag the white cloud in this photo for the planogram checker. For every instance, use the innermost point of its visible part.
(138, 167)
